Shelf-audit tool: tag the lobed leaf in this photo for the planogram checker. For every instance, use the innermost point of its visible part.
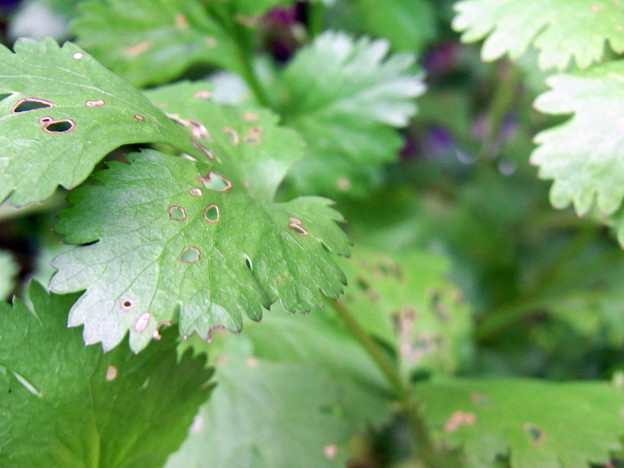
(583, 155)
(64, 112)
(559, 29)
(534, 423)
(150, 42)
(66, 405)
(180, 240)
(345, 97)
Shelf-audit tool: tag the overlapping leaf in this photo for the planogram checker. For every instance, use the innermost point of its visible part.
(149, 42)
(410, 305)
(63, 113)
(68, 406)
(560, 29)
(584, 155)
(550, 425)
(291, 392)
(8, 270)
(345, 97)
(207, 244)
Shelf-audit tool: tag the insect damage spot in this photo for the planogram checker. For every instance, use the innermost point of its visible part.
(127, 304)
(252, 363)
(137, 49)
(139, 117)
(330, 451)
(296, 226)
(142, 322)
(250, 117)
(343, 184)
(252, 140)
(203, 94)
(156, 334)
(28, 104)
(248, 263)
(212, 330)
(195, 192)
(95, 103)
(198, 130)
(57, 126)
(77, 55)
(180, 21)
(594, 8)
(216, 182)
(189, 254)
(111, 373)
(211, 213)
(234, 139)
(177, 213)
(205, 151)
(459, 419)
(535, 433)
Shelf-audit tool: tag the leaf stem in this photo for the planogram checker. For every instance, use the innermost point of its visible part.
(424, 445)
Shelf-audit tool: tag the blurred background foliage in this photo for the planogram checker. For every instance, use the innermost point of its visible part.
(543, 285)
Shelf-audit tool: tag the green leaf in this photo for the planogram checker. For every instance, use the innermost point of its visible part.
(408, 303)
(407, 24)
(303, 375)
(8, 271)
(535, 423)
(66, 405)
(345, 97)
(150, 42)
(583, 154)
(63, 114)
(559, 29)
(179, 239)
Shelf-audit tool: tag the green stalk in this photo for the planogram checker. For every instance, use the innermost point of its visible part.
(424, 445)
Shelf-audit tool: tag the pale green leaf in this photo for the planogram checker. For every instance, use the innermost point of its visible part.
(534, 423)
(8, 271)
(178, 239)
(407, 302)
(153, 41)
(64, 113)
(345, 96)
(559, 29)
(68, 406)
(584, 155)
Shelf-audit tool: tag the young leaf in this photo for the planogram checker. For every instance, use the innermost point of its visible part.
(66, 405)
(63, 114)
(344, 97)
(582, 157)
(545, 424)
(560, 29)
(149, 42)
(8, 270)
(179, 239)
(266, 414)
(409, 304)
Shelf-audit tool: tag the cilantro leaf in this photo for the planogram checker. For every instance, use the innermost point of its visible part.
(581, 157)
(176, 239)
(345, 97)
(8, 271)
(560, 29)
(66, 405)
(409, 304)
(264, 413)
(63, 114)
(150, 42)
(546, 424)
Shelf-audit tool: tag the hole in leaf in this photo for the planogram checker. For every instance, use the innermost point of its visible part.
(189, 255)
(142, 322)
(139, 117)
(111, 373)
(535, 433)
(216, 182)
(205, 151)
(195, 192)
(94, 103)
(211, 213)
(28, 104)
(59, 126)
(156, 335)
(252, 140)
(127, 304)
(198, 130)
(177, 213)
(296, 226)
(212, 330)
(232, 133)
(248, 263)
(78, 55)
(45, 120)
(257, 131)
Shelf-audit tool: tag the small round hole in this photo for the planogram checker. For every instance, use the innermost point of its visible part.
(211, 213)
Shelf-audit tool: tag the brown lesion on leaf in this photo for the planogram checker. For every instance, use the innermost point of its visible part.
(459, 419)
(202, 149)
(55, 127)
(195, 192)
(139, 117)
(142, 322)
(198, 130)
(234, 139)
(215, 181)
(250, 116)
(111, 373)
(438, 306)
(480, 400)
(138, 48)
(365, 287)
(181, 21)
(535, 433)
(31, 103)
(253, 136)
(95, 103)
(296, 225)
